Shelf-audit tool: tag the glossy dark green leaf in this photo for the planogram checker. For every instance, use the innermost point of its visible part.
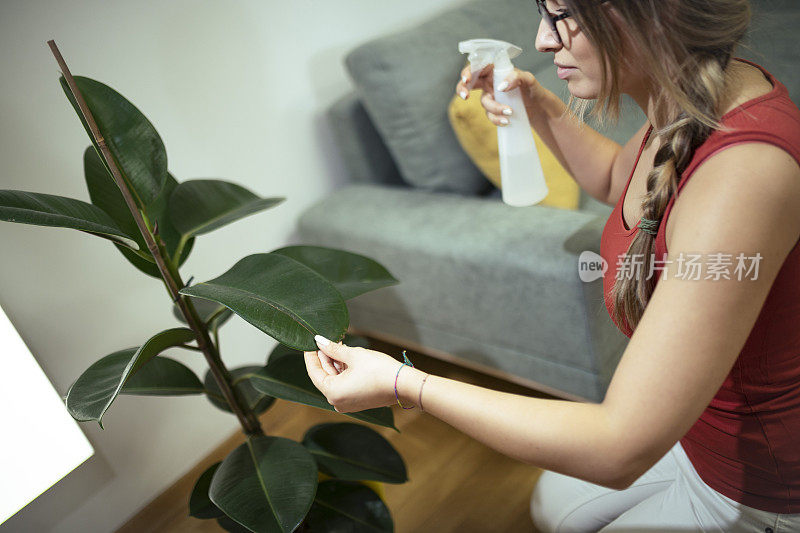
(354, 452)
(267, 484)
(106, 195)
(200, 505)
(132, 140)
(207, 310)
(60, 212)
(279, 351)
(286, 377)
(348, 506)
(349, 340)
(201, 206)
(283, 298)
(257, 400)
(231, 525)
(352, 274)
(163, 376)
(94, 391)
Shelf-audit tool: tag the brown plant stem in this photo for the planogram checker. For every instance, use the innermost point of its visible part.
(168, 270)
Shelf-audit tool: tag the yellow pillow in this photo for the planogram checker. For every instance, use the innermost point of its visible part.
(478, 138)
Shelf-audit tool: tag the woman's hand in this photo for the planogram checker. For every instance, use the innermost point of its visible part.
(353, 378)
(497, 113)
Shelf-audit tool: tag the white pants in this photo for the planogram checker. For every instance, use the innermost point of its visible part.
(670, 497)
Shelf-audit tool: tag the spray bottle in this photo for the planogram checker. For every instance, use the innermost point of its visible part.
(521, 173)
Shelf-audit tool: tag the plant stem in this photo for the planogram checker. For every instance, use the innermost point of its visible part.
(169, 272)
(216, 313)
(189, 347)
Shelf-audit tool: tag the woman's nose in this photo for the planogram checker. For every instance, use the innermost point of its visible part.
(545, 40)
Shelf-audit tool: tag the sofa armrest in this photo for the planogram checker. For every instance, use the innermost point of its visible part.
(364, 153)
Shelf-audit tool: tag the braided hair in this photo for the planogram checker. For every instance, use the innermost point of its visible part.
(684, 47)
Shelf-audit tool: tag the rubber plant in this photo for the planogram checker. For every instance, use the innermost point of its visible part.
(269, 483)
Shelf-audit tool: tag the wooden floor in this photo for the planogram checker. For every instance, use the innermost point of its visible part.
(456, 484)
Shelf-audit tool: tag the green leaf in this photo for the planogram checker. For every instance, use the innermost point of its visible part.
(349, 339)
(231, 525)
(348, 506)
(354, 452)
(106, 195)
(60, 212)
(200, 505)
(267, 484)
(283, 298)
(163, 376)
(207, 310)
(352, 274)
(256, 400)
(132, 140)
(94, 391)
(201, 206)
(286, 377)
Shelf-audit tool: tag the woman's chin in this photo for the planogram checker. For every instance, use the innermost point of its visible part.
(579, 90)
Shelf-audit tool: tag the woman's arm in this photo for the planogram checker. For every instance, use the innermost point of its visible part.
(592, 159)
(585, 153)
(571, 438)
(743, 199)
(568, 437)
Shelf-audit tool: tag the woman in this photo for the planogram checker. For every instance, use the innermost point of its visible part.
(700, 426)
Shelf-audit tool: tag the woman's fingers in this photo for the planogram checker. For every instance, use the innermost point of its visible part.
(327, 364)
(315, 370)
(498, 114)
(492, 106)
(525, 81)
(511, 82)
(483, 80)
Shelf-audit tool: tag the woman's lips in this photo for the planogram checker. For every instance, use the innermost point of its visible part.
(564, 72)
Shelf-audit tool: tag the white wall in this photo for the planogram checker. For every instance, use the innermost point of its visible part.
(237, 90)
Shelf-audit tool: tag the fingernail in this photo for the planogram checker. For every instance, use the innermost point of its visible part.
(507, 111)
(464, 79)
(503, 121)
(463, 95)
(503, 86)
(321, 341)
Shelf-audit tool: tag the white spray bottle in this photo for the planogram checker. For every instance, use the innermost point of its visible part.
(521, 172)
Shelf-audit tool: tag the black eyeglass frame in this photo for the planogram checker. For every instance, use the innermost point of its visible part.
(553, 18)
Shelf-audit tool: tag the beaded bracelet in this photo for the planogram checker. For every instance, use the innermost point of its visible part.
(406, 362)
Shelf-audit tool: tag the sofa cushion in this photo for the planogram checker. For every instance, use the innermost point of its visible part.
(406, 80)
(478, 137)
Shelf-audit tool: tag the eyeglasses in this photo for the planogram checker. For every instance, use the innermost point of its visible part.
(552, 18)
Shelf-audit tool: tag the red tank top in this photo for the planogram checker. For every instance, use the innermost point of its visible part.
(746, 444)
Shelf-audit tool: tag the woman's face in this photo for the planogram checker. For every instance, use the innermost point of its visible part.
(584, 66)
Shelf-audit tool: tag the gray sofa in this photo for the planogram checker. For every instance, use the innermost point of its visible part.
(482, 284)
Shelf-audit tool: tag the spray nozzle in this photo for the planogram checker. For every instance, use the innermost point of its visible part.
(483, 52)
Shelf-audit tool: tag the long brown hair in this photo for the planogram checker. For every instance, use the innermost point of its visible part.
(684, 47)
